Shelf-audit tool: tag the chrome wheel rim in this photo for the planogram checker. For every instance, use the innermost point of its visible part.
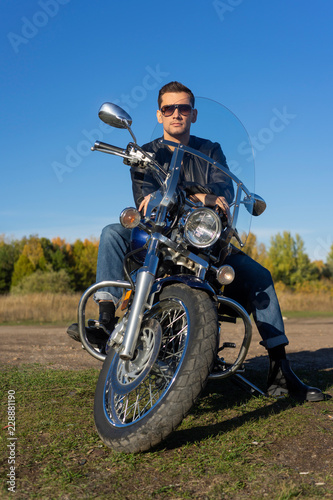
(126, 403)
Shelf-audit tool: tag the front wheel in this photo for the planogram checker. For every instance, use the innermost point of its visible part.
(138, 403)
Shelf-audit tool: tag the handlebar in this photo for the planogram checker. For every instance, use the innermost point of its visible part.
(103, 146)
(133, 155)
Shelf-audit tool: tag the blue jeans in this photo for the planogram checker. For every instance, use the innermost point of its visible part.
(114, 243)
(252, 287)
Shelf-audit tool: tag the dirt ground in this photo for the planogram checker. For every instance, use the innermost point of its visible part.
(310, 346)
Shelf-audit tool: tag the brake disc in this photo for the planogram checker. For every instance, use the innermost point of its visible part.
(127, 375)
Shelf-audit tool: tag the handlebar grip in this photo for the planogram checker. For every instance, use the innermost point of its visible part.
(103, 145)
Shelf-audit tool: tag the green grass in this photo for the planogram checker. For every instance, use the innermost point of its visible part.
(230, 446)
(32, 322)
(307, 314)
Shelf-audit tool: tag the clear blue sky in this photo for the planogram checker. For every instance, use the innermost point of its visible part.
(61, 59)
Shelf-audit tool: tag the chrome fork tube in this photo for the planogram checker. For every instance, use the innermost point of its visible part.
(144, 283)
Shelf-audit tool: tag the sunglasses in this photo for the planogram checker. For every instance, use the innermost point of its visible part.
(184, 109)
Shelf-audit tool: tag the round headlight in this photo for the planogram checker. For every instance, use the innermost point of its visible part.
(202, 227)
(129, 218)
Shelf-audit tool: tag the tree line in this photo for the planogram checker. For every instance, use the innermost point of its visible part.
(35, 264)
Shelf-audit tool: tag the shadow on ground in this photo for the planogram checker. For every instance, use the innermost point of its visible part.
(314, 368)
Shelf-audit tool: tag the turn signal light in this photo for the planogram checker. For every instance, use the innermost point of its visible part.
(130, 217)
(225, 275)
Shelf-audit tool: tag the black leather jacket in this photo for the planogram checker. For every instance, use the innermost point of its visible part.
(197, 176)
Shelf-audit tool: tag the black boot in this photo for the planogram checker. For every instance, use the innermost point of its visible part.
(106, 314)
(283, 381)
(96, 336)
(97, 331)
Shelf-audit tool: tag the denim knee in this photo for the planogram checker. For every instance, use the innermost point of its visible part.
(112, 231)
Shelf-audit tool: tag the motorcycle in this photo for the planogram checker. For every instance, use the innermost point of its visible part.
(169, 336)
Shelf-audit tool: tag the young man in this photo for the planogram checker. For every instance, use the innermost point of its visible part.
(253, 286)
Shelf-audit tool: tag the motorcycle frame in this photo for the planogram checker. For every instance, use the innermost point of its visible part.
(147, 273)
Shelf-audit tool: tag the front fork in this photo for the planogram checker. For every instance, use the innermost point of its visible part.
(144, 282)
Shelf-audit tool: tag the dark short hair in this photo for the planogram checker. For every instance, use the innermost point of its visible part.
(174, 87)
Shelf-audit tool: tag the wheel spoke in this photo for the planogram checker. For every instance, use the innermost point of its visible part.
(130, 406)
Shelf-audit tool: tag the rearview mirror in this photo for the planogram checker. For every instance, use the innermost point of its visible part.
(254, 204)
(114, 116)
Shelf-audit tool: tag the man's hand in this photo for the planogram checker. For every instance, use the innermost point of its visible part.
(144, 204)
(210, 200)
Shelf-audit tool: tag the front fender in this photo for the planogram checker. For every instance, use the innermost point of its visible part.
(186, 279)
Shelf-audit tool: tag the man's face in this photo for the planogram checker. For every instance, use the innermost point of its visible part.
(176, 126)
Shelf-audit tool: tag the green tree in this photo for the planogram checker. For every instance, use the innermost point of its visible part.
(257, 251)
(57, 254)
(9, 253)
(320, 268)
(23, 267)
(43, 282)
(31, 259)
(288, 261)
(34, 251)
(84, 263)
(328, 270)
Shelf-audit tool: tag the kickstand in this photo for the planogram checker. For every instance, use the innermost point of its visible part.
(245, 384)
(237, 378)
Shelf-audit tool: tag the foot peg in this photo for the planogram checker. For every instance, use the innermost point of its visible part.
(94, 323)
(227, 345)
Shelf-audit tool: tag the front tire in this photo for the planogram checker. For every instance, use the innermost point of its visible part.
(139, 403)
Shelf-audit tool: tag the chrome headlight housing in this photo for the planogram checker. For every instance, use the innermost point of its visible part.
(202, 227)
